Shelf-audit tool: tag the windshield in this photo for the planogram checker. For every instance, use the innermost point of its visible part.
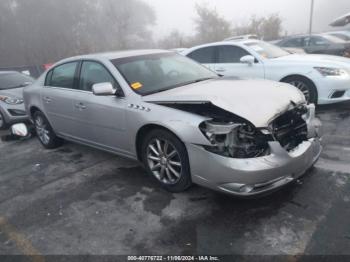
(334, 39)
(267, 50)
(14, 80)
(155, 73)
(342, 36)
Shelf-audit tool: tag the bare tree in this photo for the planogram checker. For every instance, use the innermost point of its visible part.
(267, 28)
(175, 39)
(41, 31)
(210, 25)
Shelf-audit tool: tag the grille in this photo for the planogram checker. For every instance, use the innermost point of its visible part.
(290, 129)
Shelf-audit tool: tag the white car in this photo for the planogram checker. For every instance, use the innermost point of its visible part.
(323, 79)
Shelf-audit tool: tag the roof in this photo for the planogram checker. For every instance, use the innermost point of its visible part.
(7, 72)
(241, 37)
(119, 54)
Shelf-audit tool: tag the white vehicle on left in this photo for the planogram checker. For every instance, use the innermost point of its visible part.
(323, 79)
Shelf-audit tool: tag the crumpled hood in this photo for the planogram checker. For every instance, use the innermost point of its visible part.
(258, 101)
(317, 60)
(15, 92)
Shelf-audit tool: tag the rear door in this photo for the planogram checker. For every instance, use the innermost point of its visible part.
(205, 56)
(57, 97)
(317, 45)
(100, 120)
(228, 63)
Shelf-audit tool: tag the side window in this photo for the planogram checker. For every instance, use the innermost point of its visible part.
(318, 41)
(63, 75)
(94, 73)
(231, 54)
(205, 55)
(295, 42)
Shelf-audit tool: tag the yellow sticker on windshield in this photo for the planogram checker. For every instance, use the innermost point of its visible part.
(136, 85)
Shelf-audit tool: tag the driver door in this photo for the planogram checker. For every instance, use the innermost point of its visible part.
(316, 45)
(100, 120)
(229, 64)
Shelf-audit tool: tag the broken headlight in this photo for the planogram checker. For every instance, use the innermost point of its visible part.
(236, 140)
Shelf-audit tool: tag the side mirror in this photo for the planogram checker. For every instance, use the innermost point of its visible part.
(248, 59)
(19, 130)
(103, 89)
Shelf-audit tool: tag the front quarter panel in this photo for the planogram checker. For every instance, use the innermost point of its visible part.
(184, 125)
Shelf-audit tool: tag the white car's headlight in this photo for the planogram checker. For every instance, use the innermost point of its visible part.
(328, 71)
(11, 100)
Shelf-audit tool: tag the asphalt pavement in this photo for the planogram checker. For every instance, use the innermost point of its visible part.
(77, 200)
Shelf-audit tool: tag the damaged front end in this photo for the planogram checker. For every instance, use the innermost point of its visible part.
(245, 160)
(243, 140)
(235, 137)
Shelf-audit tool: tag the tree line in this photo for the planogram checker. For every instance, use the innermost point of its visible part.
(34, 32)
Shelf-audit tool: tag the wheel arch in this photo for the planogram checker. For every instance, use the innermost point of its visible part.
(143, 131)
(34, 109)
(296, 75)
(283, 80)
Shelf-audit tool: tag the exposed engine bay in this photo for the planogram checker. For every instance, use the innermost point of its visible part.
(233, 136)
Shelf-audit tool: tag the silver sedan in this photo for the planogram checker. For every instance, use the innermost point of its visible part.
(182, 121)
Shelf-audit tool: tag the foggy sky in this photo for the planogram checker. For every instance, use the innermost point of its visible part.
(179, 14)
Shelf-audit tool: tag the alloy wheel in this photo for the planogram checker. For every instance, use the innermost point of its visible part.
(42, 130)
(303, 88)
(164, 161)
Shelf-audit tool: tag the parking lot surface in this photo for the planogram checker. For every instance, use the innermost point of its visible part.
(77, 200)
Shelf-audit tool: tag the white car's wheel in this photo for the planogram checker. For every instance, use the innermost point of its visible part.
(305, 86)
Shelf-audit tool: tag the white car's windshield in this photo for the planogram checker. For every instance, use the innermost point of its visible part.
(334, 39)
(154, 73)
(267, 50)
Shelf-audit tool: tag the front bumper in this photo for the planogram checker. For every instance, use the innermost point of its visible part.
(13, 114)
(327, 87)
(254, 176)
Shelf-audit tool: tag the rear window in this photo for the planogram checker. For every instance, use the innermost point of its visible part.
(62, 76)
(205, 55)
(14, 80)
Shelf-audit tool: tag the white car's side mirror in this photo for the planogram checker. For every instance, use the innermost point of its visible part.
(103, 89)
(19, 130)
(248, 59)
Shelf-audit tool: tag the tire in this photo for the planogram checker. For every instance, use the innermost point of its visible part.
(169, 165)
(306, 86)
(44, 131)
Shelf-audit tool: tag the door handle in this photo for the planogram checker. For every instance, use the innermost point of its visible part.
(80, 106)
(220, 70)
(47, 99)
